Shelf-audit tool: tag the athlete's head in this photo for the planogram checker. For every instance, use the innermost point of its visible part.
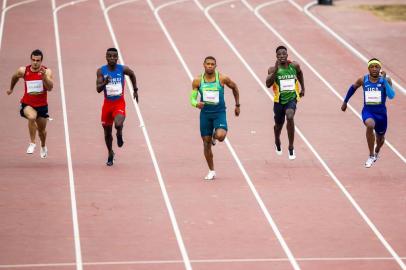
(282, 54)
(112, 56)
(374, 67)
(209, 64)
(36, 59)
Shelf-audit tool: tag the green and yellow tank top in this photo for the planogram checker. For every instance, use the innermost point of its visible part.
(212, 94)
(286, 85)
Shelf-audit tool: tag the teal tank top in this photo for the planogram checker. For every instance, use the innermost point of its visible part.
(212, 94)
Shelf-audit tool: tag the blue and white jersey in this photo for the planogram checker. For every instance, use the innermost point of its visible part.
(115, 88)
(374, 94)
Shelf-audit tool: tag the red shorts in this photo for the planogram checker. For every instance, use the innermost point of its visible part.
(111, 109)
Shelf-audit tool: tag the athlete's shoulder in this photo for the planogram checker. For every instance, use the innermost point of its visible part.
(196, 81)
(295, 64)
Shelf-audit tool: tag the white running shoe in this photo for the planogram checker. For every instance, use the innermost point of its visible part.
(370, 161)
(211, 175)
(278, 152)
(31, 148)
(43, 152)
(292, 154)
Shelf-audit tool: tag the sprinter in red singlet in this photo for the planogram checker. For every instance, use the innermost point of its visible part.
(34, 105)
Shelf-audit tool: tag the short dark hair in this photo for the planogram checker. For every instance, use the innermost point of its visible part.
(37, 52)
(280, 47)
(209, 58)
(112, 50)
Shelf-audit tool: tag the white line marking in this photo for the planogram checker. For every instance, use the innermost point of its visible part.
(168, 204)
(228, 143)
(3, 14)
(248, 260)
(75, 221)
(329, 86)
(324, 164)
(357, 53)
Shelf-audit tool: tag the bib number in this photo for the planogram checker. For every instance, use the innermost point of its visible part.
(211, 97)
(373, 97)
(287, 85)
(114, 89)
(35, 87)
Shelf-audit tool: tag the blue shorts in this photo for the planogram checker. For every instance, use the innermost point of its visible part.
(380, 118)
(212, 121)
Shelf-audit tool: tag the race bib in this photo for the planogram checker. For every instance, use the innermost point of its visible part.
(35, 87)
(115, 89)
(287, 85)
(373, 97)
(211, 97)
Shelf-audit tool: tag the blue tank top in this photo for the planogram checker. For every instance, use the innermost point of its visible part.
(374, 94)
(115, 88)
(212, 94)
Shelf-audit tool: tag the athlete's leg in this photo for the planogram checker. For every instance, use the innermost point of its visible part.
(31, 114)
(381, 124)
(118, 124)
(220, 126)
(42, 133)
(380, 140)
(220, 134)
(279, 117)
(370, 135)
(206, 132)
(290, 126)
(208, 154)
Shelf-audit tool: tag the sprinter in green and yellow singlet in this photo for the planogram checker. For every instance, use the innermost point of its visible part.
(213, 122)
(285, 77)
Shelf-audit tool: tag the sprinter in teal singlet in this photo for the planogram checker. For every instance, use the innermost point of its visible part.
(213, 121)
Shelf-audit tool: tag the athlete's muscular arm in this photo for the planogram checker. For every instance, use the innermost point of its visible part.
(270, 79)
(101, 82)
(300, 78)
(350, 92)
(195, 87)
(47, 78)
(14, 79)
(130, 73)
(233, 86)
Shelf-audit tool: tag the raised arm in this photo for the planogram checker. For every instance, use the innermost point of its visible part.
(270, 79)
(236, 93)
(47, 78)
(14, 79)
(194, 93)
(101, 82)
(130, 73)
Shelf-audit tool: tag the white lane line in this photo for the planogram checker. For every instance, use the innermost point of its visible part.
(3, 14)
(228, 143)
(75, 220)
(324, 164)
(208, 261)
(161, 181)
(329, 86)
(357, 53)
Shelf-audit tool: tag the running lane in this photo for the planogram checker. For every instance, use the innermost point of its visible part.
(36, 220)
(384, 183)
(123, 220)
(220, 221)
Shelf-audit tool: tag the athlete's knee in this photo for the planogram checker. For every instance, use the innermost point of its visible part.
(290, 114)
(369, 123)
(221, 134)
(278, 127)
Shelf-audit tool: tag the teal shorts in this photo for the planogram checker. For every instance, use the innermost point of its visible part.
(209, 121)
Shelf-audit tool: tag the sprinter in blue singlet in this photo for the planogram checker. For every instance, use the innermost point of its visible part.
(376, 87)
(213, 122)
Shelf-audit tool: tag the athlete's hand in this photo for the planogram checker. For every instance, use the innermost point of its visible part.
(135, 95)
(302, 93)
(383, 73)
(43, 73)
(106, 80)
(344, 107)
(237, 111)
(276, 66)
(9, 92)
(200, 105)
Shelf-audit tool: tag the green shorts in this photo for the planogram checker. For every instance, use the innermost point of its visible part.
(211, 121)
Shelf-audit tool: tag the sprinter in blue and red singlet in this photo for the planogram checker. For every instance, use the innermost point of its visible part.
(110, 81)
(213, 122)
(34, 104)
(376, 87)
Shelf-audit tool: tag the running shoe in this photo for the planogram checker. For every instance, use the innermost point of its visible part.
(211, 175)
(278, 150)
(292, 154)
(43, 152)
(370, 161)
(31, 148)
(120, 141)
(110, 159)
